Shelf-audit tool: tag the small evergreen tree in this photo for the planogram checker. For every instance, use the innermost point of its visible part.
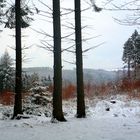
(6, 73)
(30, 81)
(26, 82)
(46, 81)
(34, 79)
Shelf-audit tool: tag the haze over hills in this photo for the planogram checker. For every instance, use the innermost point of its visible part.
(90, 75)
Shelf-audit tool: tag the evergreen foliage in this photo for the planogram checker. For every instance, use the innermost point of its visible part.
(6, 73)
(128, 51)
(25, 17)
(7, 15)
(131, 53)
(2, 5)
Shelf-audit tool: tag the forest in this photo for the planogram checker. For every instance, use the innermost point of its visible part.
(53, 103)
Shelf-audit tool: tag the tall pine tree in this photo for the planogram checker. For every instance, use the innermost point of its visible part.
(57, 91)
(18, 78)
(79, 61)
(131, 53)
(17, 17)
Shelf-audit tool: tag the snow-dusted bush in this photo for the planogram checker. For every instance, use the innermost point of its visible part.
(38, 102)
(5, 112)
(40, 96)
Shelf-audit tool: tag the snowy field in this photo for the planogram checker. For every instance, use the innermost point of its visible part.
(108, 119)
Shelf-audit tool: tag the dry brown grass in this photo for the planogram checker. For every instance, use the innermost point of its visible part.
(127, 87)
(7, 98)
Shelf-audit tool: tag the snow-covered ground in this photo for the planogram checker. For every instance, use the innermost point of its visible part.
(110, 119)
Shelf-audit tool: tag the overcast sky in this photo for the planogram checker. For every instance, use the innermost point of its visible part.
(107, 56)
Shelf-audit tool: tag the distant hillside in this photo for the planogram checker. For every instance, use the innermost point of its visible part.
(42, 71)
(90, 75)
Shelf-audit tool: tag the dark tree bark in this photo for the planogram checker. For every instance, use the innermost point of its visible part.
(135, 69)
(79, 62)
(18, 79)
(57, 91)
(128, 71)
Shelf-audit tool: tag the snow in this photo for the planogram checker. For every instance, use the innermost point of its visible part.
(121, 122)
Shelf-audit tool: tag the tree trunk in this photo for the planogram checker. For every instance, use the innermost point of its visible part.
(79, 62)
(135, 70)
(18, 78)
(128, 71)
(57, 91)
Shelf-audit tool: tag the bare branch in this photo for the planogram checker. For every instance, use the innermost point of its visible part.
(50, 22)
(63, 25)
(129, 22)
(66, 49)
(45, 5)
(73, 63)
(11, 47)
(45, 47)
(46, 12)
(27, 47)
(67, 36)
(124, 9)
(46, 16)
(71, 51)
(86, 8)
(41, 32)
(89, 38)
(86, 50)
(69, 11)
